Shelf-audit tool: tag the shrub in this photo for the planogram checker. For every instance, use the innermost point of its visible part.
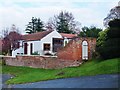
(36, 53)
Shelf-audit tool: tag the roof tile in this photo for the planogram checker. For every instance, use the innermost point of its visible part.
(35, 36)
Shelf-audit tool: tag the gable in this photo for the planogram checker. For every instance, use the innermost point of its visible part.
(53, 34)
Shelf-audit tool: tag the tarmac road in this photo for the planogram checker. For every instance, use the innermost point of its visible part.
(99, 81)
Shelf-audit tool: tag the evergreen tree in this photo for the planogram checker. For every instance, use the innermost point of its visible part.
(64, 23)
(39, 25)
(90, 32)
(111, 46)
(36, 25)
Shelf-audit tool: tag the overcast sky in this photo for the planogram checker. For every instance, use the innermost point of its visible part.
(20, 12)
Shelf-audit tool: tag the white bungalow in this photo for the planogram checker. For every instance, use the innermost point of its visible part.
(42, 43)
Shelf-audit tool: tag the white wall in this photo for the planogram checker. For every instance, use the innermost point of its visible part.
(36, 46)
(48, 39)
(19, 50)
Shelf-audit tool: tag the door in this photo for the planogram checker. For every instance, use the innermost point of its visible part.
(84, 50)
(25, 48)
(31, 48)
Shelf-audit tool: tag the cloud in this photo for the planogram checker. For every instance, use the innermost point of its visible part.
(19, 12)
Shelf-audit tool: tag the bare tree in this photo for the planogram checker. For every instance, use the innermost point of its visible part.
(10, 39)
(5, 32)
(114, 14)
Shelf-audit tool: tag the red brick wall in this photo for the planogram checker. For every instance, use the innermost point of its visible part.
(73, 50)
(40, 62)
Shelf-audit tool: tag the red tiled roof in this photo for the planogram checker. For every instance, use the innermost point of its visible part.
(35, 36)
(68, 35)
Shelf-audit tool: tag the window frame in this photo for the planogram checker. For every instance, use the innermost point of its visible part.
(48, 47)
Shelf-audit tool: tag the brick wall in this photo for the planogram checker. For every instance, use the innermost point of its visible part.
(40, 62)
(0, 45)
(70, 55)
(73, 50)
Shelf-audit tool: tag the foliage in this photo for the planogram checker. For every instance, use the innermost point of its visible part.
(90, 32)
(36, 53)
(114, 23)
(101, 38)
(111, 46)
(0, 52)
(92, 67)
(36, 25)
(64, 23)
(10, 39)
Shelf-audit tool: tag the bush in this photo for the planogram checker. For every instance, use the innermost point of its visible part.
(36, 53)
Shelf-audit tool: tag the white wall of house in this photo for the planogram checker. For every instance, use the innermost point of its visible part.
(48, 40)
(38, 45)
(18, 51)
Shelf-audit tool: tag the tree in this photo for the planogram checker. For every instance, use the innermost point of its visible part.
(111, 46)
(4, 33)
(114, 14)
(102, 36)
(39, 26)
(64, 23)
(10, 40)
(90, 31)
(36, 25)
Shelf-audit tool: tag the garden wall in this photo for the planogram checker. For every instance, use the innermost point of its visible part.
(40, 62)
(70, 55)
(73, 50)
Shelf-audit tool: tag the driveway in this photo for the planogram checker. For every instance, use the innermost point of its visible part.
(99, 81)
(5, 77)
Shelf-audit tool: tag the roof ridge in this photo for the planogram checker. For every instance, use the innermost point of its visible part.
(39, 32)
(35, 36)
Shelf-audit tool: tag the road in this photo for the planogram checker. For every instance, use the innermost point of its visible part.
(99, 81)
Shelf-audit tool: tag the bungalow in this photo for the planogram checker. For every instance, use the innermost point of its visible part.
(42, 43)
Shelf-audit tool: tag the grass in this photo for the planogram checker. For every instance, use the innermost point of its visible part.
(92, 67)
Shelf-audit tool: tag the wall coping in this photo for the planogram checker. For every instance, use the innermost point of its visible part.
(36, 55)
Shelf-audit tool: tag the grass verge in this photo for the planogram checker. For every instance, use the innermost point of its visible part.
(92, 67)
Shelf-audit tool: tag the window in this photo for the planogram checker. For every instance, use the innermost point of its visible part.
(46, 47)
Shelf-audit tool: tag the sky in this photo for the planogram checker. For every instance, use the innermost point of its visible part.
(20, 12)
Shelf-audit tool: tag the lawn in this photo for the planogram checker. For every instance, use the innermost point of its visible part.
(92, 67)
